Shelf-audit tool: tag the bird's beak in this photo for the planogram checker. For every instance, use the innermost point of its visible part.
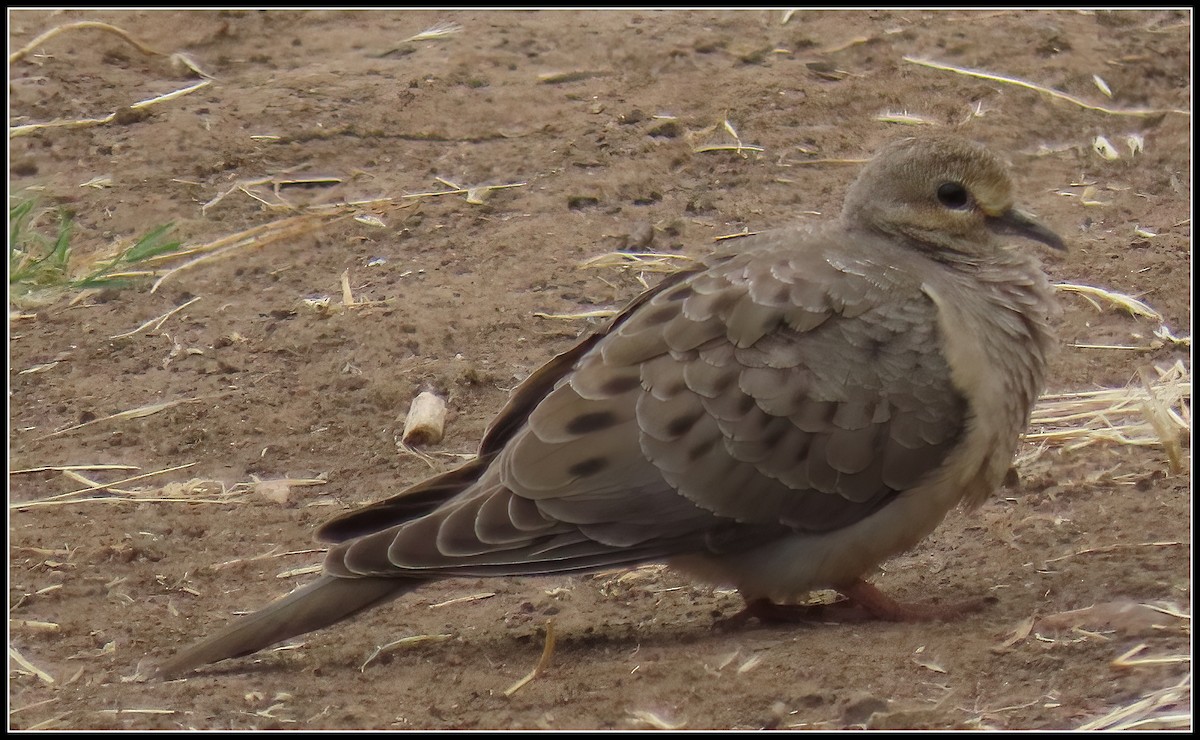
(1019, 223)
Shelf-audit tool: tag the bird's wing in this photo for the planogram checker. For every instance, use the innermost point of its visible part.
(779, 390)
(425, 496)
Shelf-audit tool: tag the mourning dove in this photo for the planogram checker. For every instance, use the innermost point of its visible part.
(781, 417)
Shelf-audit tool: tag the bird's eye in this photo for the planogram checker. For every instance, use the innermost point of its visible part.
(953, 195)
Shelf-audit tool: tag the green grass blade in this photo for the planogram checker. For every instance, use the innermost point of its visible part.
(35, 260)
(60, 255)
(150, 245)
(32, 260)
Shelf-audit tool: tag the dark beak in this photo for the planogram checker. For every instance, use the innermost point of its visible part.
(1019, 223)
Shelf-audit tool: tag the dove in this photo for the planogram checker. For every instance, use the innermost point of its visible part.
(781, 417)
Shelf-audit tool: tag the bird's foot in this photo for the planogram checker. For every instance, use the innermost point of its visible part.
(879, 605)
(765, 610)
(863, 603)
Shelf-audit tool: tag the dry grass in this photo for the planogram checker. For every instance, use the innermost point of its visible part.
(543, 661)
(1057, 94)
(1129, 304)
(646, 718)
(21, 53)
(727, 127)
(155, 323)
(23, 664)
(639, 261)
(1156, 411)
(256, 237)
(29, 128)
(191, 491)
(475, 194)
(134, 413)
(435, 32)
(464, 599)
(905, 118)
(403, 642)
(250, 187)
(178, 59)
(573, 75)
(1168, 708)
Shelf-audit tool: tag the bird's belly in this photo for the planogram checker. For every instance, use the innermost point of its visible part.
(789, 567)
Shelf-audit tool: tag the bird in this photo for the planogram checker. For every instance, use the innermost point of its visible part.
(780, 417)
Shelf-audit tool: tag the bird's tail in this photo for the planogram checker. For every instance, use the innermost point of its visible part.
(324, 602)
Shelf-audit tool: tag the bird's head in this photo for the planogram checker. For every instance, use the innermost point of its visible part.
(942, 193)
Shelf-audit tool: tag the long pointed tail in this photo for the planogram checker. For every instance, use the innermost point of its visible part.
(324, 602)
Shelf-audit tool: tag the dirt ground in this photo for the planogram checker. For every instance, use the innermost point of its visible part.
(598, 116)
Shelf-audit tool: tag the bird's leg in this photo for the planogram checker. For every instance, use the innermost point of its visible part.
(881, 606)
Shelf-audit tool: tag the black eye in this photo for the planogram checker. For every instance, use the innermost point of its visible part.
(953, 195)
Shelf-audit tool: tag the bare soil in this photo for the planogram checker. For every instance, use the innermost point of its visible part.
(598, 115)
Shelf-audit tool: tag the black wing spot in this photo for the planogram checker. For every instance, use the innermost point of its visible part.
(592, 422)
(620, 384)
(591, 466)
(680, 425)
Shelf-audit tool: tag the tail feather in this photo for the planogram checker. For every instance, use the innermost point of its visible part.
(324, 602)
